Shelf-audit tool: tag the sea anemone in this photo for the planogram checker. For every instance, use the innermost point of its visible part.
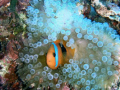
(95, 62)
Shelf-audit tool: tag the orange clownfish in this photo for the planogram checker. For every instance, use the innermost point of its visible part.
(58, 54)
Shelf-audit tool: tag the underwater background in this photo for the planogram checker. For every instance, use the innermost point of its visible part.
(59, 44)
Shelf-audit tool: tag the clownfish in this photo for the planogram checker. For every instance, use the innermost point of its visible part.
(58, 54)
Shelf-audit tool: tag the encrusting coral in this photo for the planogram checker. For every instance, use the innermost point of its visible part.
(95, 62)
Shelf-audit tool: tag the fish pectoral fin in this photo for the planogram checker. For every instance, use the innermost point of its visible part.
(65, 58)
(64, 54)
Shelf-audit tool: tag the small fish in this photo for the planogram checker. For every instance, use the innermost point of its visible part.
(58, 54)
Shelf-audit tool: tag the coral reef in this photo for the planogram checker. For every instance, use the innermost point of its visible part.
(59, 44)
(112, 13)
(95, 64)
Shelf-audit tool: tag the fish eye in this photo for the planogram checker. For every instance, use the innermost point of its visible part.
(54, 54)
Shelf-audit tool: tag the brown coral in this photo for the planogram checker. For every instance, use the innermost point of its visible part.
(4, 2)
(11, 77)
(22, 4)
(12, 49)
